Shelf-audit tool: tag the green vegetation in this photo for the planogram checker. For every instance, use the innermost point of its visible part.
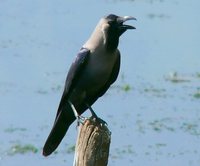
(22, 149)
(162, 124)
(43, 92)
(13, 129)
(175, 77)
(158, 92)
(198, 75)
(160, 16)
(126, 87)
(154, 90)
(197, 94)
(71, 149)
(56, 88)
(128, 149)
(192, 128)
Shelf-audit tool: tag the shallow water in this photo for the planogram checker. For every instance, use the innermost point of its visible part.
(153, 108)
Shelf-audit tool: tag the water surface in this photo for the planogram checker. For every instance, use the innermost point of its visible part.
(152, 110)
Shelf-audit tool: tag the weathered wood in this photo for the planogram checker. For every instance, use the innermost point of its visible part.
(93, 142)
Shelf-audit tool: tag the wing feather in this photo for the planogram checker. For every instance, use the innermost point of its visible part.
(73, 74)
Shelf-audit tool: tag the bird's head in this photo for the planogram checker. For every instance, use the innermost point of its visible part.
(116, 24)
(112, 27)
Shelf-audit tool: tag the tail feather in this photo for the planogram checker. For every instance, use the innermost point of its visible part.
(63, 120)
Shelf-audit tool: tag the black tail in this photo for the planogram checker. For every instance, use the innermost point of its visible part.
(64, 119)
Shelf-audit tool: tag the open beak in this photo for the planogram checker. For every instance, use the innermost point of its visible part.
(121, 20)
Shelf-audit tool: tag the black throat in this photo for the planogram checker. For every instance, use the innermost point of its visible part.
(112, 40)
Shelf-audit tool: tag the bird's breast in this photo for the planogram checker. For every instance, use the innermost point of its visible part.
(97, 71)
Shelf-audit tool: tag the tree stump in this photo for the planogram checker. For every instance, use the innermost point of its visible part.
(93, 142)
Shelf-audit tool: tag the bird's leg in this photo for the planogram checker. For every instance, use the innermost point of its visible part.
(80, 119)
(94, 115)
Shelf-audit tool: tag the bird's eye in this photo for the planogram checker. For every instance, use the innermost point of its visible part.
(111, 22)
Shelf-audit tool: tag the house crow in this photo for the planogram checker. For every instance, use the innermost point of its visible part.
(94, 69)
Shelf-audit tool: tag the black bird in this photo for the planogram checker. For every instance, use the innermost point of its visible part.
(95, 68)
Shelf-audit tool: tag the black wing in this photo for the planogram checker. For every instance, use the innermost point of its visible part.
(73, 74)
(65, 115)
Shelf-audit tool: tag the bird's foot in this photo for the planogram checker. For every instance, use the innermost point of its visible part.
(80, 120)
(95, 117)
(99, 120)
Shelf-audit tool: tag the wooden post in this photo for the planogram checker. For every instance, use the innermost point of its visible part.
(93, 142)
